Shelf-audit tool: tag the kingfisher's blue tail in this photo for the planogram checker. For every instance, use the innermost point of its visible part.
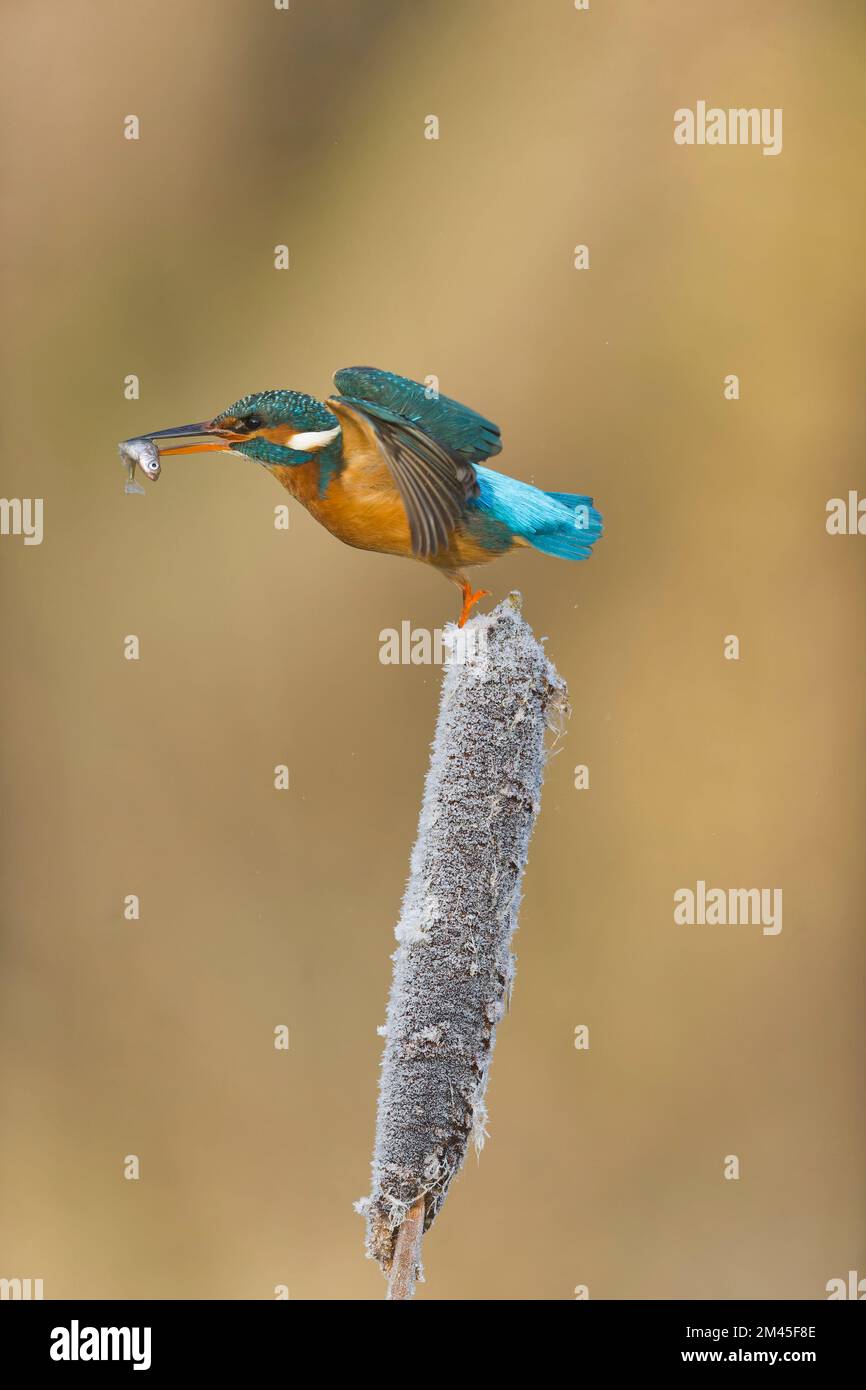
(572, 536)
(559, 523)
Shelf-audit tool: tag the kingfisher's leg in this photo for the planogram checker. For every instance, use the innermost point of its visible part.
(469, 598)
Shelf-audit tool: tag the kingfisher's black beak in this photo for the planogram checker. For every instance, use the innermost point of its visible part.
(206, 428)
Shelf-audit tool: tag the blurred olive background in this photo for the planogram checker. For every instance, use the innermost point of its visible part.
(260, 647)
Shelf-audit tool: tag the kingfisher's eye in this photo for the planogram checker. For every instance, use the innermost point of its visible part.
(251, 422)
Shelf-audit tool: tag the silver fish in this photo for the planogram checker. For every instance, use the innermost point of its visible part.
(139, 453)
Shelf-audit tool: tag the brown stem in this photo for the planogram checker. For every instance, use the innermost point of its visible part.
(407, 1253)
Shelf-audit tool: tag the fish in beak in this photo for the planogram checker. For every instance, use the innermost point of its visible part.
(144, 453)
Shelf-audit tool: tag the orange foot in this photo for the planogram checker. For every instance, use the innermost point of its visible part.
(470, 600)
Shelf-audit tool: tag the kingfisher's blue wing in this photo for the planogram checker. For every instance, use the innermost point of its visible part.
(460, 430)
(434, 478)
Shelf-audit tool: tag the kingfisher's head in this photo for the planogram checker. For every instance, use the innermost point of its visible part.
(272, 427)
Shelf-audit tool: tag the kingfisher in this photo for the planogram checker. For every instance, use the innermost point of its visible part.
(391, 466)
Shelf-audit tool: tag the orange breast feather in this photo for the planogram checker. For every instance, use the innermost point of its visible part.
(361, 505)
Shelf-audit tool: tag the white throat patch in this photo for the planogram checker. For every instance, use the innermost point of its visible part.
(313, 439)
